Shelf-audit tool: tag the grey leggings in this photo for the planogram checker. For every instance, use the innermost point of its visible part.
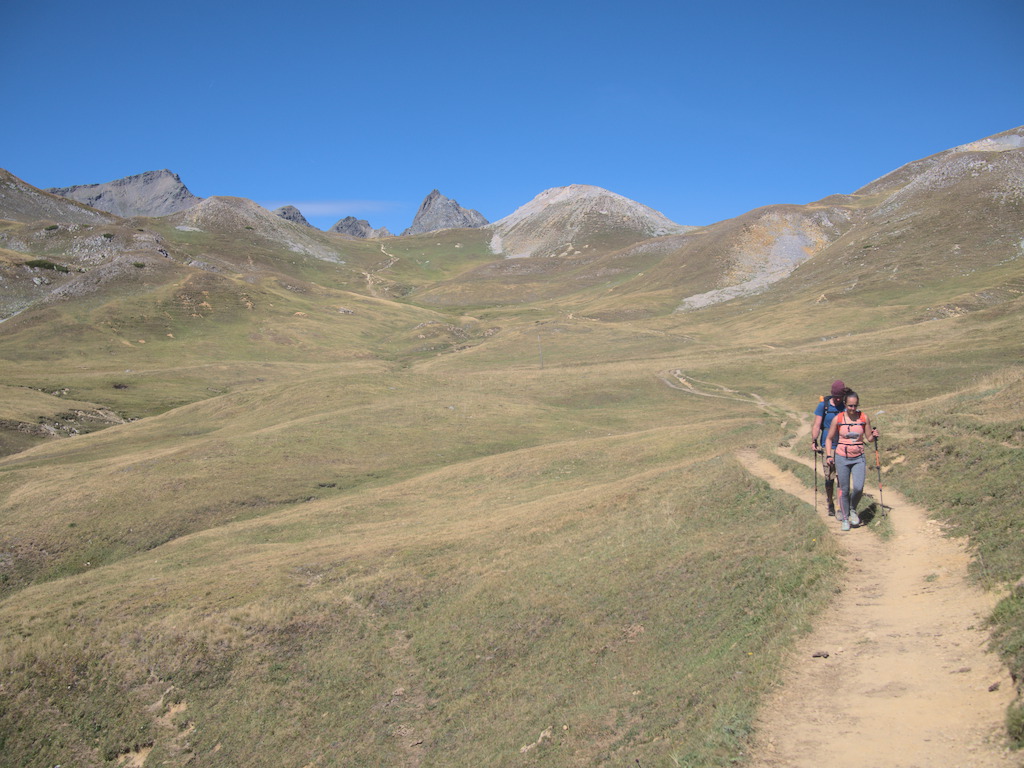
(848, 470)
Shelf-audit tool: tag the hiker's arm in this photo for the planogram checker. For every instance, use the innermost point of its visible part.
(815, 431)
(833, 429)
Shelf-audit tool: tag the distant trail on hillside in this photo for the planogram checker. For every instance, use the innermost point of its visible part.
(675, 379)
(907, 680)
(373, 276)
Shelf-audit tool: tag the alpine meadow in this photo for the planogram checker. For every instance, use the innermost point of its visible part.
(272, 496)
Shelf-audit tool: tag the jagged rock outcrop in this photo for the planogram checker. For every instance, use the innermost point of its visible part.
(440, 212)
(153, 193)
(292, 214)
(20, 201)
(360, 228)
(562, 220)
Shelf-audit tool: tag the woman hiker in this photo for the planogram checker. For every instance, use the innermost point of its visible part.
(844, 447)
(830, 406)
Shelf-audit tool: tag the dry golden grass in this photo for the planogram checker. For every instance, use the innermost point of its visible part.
(349, 530)
(549, 586)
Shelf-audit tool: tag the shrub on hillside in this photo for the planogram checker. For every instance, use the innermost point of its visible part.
(44, 264)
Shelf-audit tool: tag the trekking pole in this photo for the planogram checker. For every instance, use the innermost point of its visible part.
(878, 466)
(815, 451)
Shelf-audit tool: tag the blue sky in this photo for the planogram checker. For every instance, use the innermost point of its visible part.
(700, 110)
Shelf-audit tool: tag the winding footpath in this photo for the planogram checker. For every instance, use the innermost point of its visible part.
(907, 681)
(373, 278)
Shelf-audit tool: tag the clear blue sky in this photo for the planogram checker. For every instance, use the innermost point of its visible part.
(700, 110)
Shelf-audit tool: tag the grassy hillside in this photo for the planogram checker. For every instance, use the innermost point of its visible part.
(456, 615)
(440, 559)
(403, 543)
(377, 503)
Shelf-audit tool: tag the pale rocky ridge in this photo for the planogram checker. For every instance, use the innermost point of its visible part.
(561, 220)
(996, 161)
(20, 201)
(1006, 141)
(153, 193)
(360, 228)
(440, 212)
(239, 214)
(956, 202)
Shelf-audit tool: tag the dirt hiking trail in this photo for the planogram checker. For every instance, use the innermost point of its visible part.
(907, 682)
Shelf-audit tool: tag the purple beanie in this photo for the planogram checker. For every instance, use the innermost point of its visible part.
(838, 388)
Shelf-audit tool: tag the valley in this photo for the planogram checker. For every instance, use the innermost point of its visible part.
(272, 496)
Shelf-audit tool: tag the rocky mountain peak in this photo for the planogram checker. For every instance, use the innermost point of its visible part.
(292, 214)
(153, 193)
(440, 212)
(360, 228)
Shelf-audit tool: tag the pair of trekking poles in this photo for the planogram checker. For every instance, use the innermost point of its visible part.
(878, 467)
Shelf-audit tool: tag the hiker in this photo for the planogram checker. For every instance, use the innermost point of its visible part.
(830, 406)
(844, 448)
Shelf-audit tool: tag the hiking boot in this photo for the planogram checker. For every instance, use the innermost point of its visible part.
(831, 509)
(846, 525)
(854, 520)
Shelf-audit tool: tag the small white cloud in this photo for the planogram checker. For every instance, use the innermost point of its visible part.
(335, 207)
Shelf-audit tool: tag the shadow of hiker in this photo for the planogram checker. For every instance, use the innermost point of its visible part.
(869, 513)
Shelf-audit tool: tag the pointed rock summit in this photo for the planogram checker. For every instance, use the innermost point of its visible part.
(360, 228)
(440, 212)
(153, 193)
(293, 214)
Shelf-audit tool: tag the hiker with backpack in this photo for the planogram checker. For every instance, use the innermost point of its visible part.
(828, 408)
(845, 450)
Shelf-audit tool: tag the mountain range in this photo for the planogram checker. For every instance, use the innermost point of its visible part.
(161, 193)
(576, 238)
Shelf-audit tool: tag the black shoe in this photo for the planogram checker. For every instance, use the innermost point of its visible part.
(831, 510)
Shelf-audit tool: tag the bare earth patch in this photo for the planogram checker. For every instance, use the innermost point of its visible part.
(907, 680)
